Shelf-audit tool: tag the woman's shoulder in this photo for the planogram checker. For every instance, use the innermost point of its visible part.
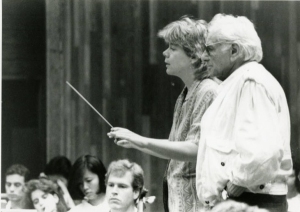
(208, 86)
(211, 82)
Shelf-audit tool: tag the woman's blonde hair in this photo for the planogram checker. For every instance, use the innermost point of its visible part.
(190, 34)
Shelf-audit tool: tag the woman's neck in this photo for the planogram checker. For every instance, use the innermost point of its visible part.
(188, 81)
(99, 199)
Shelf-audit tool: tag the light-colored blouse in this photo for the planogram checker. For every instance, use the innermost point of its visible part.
(245, 137)
(84, 206)
(189, 109)
(294, 204)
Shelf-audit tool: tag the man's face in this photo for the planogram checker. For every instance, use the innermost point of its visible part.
(217, 57)
(14, 187)
(120, 193)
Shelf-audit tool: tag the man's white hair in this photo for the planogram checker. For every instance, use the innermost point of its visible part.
(239, 30)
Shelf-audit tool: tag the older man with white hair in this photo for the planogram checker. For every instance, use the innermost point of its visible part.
(245, 143)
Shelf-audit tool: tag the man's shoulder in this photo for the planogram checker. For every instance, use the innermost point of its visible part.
(258, 73)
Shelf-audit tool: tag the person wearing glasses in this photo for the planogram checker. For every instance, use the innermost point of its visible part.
(185, 38)
(245, 134)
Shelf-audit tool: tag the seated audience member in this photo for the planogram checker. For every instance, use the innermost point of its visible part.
(15, 178)
(57, 170)
(58, 167)
(233, 206)
(293, 195)
(87, 184)
(45, 196)
(124, 186)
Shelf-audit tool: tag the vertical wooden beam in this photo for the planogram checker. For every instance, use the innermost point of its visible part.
(137, 66)
(205, 10)
(70, 138)
(106, 91)
(153, 15)
(254, 8)
(55, 78)
(293, 70)
(298, 97)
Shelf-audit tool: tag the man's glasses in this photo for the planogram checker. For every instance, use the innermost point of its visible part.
(208, 47)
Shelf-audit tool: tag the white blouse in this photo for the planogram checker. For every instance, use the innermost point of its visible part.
(87, 207)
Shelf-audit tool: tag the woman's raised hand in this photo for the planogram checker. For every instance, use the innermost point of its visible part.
(126, 138)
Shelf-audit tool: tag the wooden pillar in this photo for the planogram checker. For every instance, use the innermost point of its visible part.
(293, 73)
(68, 59)
(153, 31)
(205, 10)
(55, 78)
(106, 73)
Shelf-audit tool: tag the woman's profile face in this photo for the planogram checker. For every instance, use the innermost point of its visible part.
(44, 202)
(177, 61)
(90, 185)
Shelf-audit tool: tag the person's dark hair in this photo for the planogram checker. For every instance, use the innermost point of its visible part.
(120, 168)
(46, 186)
(18, 169)
(59, 165)
(91, 163)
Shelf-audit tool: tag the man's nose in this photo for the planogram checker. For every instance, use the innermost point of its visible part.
(12, 188)
(205, 56)
(115, 190)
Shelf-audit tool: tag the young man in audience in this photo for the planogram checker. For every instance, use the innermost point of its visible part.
(15, 178)
(124, 186)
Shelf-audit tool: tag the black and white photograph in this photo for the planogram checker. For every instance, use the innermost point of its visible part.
(150, 106)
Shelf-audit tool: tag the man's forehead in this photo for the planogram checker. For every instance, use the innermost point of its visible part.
(15, 178)
(121, 177)
(210, 39)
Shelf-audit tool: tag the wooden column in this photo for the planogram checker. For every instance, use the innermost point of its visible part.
(106, 73)
(55, 78)
(293, 73)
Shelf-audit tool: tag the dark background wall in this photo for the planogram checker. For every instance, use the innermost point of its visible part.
(109, 51)
(23, 85)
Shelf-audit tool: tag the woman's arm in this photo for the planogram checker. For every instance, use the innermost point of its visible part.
(163, 148)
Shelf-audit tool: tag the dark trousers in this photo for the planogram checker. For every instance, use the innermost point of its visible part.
(273, 203)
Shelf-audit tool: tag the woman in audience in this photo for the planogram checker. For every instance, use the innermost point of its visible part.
(58, 170)
(45, 196)
(87, 184)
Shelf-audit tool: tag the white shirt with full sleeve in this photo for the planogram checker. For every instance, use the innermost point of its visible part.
(245, 137)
